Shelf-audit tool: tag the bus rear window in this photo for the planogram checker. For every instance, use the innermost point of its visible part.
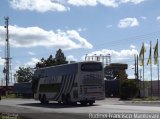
(91, 67)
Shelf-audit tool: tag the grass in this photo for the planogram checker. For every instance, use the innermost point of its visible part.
(8, 96)
(11, 116)
(147, 99)
(12, 96)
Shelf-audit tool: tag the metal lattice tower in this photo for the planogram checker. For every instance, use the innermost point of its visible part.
(105, 59)
(7, 54)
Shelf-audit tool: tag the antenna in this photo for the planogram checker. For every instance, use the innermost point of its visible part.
(7, 54)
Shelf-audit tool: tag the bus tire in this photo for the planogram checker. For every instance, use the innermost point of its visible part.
(74, 103)
(83, 103)
(45, 99)
(64, 99)
(68, 99)
(40, 99)
(91, 103)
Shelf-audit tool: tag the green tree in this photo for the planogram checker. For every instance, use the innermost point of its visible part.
(60, 58)
(24, 74)
(41, 64)
(50, 61)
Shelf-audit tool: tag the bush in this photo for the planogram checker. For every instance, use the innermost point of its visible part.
(128, 89)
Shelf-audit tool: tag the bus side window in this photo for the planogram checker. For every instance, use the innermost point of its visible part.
(75, 85)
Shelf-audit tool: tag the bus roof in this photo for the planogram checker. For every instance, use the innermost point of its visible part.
(69, 64)
(60, 69)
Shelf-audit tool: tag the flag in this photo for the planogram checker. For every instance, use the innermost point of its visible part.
(156, 53)
(150, 55)
(141, 54)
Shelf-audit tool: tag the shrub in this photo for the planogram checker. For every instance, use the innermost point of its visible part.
(128, 89)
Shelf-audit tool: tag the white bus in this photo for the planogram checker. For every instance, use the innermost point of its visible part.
(70, 83)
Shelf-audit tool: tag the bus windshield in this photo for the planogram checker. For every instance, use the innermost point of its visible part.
(91, 67)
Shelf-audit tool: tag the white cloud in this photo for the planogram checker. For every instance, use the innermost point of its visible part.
(147, 45)
(132, 1)
(63, 5)
(81, 29)
(71, 58)
(37, 5)
(116, 56)
(158, 18)
(83, 2)
(35, 36)
(18, 64)
(31, 53)
(74, 35)
(32, 62)
(128, 22)
(107, 3)
(2, 61)
(132, 46)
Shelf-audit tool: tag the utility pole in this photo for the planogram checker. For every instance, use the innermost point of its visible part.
(7, 54)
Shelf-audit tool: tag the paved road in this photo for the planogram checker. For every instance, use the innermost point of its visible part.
(36, 110)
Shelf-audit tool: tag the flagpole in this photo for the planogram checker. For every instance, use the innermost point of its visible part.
(156, 61)
(158, 78)
(158, 69)
(141, 57)
(151, 66)
(135, 67)
(138, 78)
(151, 79)
(143, 77)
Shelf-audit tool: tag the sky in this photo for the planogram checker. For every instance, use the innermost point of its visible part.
(38, 28)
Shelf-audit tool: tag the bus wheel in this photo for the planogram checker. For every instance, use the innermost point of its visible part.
(44, 99)
(40, 99)
(83, 103)
(74, 103)
(91, 103)
(64, 99)
(68, 99)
